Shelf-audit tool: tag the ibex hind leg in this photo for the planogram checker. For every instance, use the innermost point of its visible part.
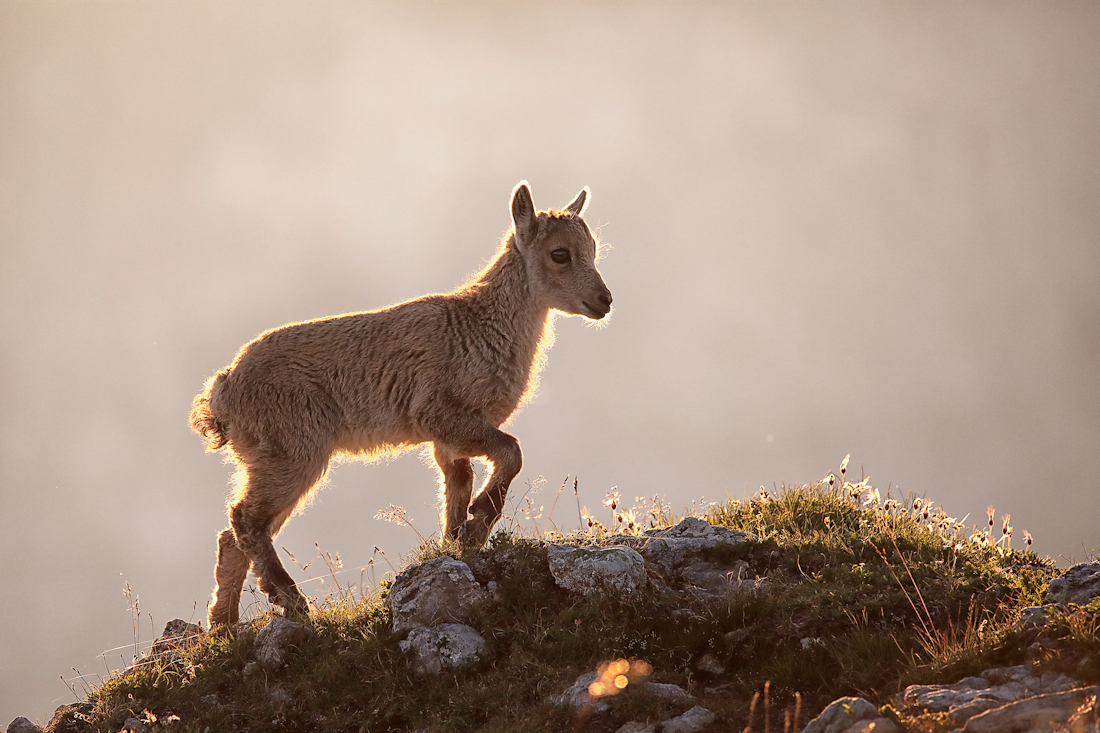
(271, 493)
(229, 574)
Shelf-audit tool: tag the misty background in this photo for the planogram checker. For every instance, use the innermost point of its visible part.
(868, 228)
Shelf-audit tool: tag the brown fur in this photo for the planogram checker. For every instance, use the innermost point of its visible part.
(446, 369)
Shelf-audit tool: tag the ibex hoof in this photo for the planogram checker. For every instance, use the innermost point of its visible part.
(473, 532)
(295, 607)
(220, 617)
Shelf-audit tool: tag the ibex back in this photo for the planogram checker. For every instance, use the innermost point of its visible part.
(446, 369)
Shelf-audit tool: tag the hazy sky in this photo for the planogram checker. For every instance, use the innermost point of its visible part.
(867, 228)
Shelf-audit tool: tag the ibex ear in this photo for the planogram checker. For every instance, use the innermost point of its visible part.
(524, 220)
(580, 203)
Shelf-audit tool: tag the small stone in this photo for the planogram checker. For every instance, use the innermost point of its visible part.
(133, 725)
(709, 663)
(177, 633)
(280, 695)
(694, 720)
(877, 725)
(275, 642)
(22, 725)
(840, 715)
(636, 726)
(718, 579)
(70, 717)
(735, 638)
(588, 571)
(1034, 617)
(446, 646)
(1040, 647)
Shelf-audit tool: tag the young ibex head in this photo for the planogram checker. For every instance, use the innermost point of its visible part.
(560, 253)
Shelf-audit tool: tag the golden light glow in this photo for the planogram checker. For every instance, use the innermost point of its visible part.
(613, 677)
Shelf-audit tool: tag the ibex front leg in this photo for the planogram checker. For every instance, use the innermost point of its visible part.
(468, 436)
(458, 486)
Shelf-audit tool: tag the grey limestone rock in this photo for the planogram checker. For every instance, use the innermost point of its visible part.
(693, 721)
(1080, 584)
(446, 646)
(589, 570)
(875, 725)
(442, 590)
(686, 551)
(177, 635)
(134, 725)
(667, 691)
(70, 717)
(280, 696)
(842, 715)
(1036, 616)
(276, 641)
(1074, 710)
(636, 726)
(675, 546)
(971, 696)
(22, 725)
(577, 695)
(710, 664)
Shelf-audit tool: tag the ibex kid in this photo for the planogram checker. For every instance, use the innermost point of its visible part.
(446, 369)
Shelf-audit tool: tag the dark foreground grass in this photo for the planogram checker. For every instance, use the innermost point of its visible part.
(857, 596)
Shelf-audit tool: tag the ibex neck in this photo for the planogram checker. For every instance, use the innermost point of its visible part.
(513, 331)
(503, 292)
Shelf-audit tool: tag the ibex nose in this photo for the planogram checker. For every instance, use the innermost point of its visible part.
(602, 305)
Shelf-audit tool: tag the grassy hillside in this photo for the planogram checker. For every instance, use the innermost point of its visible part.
(858, 595)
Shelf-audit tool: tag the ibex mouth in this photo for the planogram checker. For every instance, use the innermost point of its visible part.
(594, 312)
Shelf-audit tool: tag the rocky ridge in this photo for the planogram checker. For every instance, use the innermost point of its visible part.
(434, 607)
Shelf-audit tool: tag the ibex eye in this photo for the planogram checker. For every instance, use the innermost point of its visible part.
(561, 256)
